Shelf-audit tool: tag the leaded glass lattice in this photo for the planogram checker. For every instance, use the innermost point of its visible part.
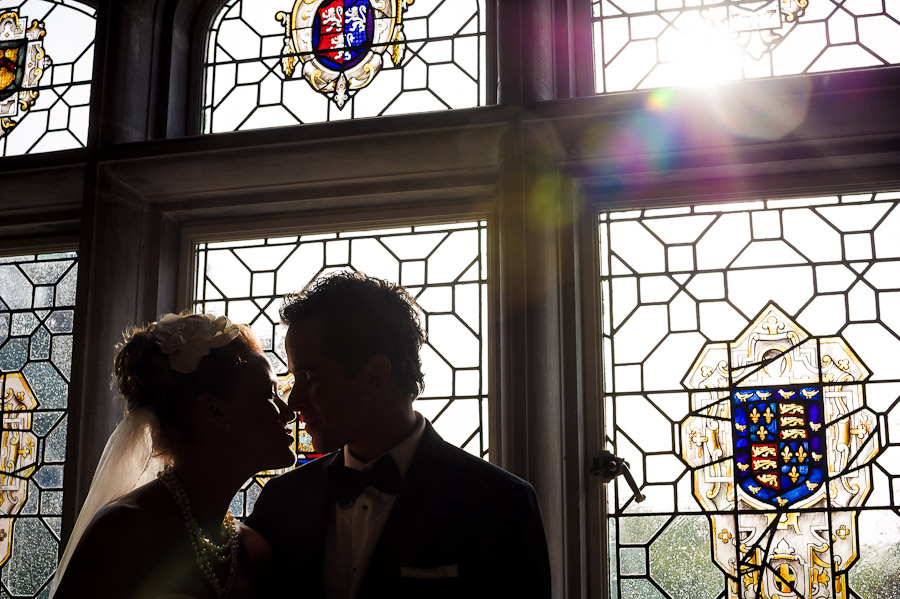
(46, 66)
(37, 300)
(750, 379)
(641, 44)
(443, 267)
(271, 63)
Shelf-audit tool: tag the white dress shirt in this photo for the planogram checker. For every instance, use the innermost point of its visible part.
(354, 530)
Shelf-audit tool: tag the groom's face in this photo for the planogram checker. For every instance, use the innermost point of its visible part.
(333, 405)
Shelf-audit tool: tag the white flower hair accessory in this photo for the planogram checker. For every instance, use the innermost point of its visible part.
(186, 339)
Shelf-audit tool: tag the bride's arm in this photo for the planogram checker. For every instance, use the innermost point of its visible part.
(256, 556)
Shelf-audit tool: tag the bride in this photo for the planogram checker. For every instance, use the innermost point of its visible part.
(203, 415)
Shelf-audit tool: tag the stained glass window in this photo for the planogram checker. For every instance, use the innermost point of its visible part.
(442, 266)
(645, 44)
(46, 64)
(751, 381)
(37, 299)
(284, 62)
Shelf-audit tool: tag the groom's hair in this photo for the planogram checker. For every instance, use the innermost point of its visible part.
(362, 316)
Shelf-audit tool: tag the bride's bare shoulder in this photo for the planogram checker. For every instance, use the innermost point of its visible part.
(121, 544)
(145, 512)
(126, 528)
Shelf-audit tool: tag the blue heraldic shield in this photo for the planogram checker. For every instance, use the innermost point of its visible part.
(342, 32)
(779, 443)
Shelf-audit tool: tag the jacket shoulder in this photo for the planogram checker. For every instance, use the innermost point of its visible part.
(300, 474)
(485, 479)
(281, 494)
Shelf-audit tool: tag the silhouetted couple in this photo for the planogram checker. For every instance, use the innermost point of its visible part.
(391, 511)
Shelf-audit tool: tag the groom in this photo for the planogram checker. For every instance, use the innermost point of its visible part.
(394, 511)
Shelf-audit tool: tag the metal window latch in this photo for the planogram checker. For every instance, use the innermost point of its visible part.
(608, 467)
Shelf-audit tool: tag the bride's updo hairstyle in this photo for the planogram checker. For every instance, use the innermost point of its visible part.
(163, 366)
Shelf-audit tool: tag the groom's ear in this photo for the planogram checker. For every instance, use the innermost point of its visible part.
(375, 372)
(210, 409)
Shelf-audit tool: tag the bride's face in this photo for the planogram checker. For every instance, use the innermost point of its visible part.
(260, 418)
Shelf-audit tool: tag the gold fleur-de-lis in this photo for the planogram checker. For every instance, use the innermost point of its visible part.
(787, 454)
(28, 450)
(762, 432)
(794, 475)
(754, 416)
(772, 325)
(801, 454)
(769, 415)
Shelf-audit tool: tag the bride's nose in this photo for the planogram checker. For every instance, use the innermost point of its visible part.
(285, 412)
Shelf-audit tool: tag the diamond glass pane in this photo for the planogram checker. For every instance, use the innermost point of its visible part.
(46, 66)
(37, 301)
(442, 266)
(641, 44)
(282, 62)
(750, 379)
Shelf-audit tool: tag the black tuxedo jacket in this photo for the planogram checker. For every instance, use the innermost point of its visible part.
(453, 509)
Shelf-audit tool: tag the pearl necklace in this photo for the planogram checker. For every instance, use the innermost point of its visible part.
(206, 551)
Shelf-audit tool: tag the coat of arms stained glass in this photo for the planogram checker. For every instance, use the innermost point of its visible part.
(271, 63)
(750, 379)
(46, 68)
(22, 65)
(779, 443)
(340, 44)
(798, 425)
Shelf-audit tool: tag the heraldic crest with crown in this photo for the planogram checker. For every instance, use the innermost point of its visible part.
(22, 64)
(340, 45)
(778, 440)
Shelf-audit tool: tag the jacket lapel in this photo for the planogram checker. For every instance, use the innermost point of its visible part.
(313, 506)
(409, 520)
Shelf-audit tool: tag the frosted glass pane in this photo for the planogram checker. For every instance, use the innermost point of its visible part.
(35, 361)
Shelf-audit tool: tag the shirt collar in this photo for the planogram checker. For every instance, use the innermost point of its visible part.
(402, 453)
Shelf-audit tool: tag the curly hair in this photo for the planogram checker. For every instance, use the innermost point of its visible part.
(144, 379)
(364, 316)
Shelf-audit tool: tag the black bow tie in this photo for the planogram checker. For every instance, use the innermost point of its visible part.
(346, 483)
